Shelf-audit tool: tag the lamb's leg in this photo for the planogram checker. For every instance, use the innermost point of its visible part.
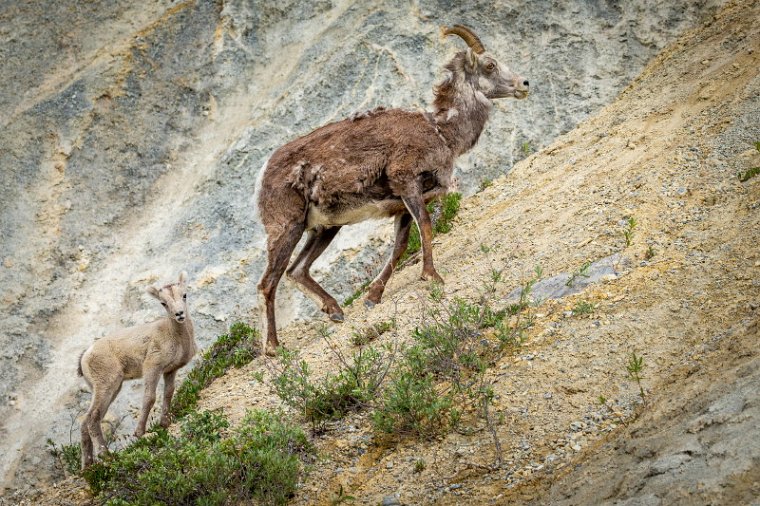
(151, 377)
(168, 393)
(299, 271)
(415, 203)
(376, 289)
(87, 451)
(279, 248)
(102, 396)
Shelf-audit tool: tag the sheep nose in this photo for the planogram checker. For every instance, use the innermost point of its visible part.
(179, 313)
(525, 83)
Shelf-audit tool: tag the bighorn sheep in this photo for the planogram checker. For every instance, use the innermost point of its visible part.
(385, 162)
(149, 351)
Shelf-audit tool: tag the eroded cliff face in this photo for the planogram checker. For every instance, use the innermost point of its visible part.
(133, 134)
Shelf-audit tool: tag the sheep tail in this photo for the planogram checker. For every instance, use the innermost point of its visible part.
(79, 364)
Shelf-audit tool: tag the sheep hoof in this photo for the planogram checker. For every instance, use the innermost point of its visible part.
(337, 317)
(270, 351)
(369, 304)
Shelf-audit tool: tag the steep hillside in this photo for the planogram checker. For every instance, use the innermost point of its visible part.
(132, 135)
(680, 289)
(683, 295)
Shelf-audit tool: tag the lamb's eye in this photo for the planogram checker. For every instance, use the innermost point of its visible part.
(163, 304)
(490, 66)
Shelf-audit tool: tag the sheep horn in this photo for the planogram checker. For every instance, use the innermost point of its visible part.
(470, 38)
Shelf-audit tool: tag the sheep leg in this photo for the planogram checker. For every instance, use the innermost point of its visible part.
(279, 249)
(101, 399)
(376, 289)
(315, 245)
(168, 393)
(87, 450)
(149, 398)
(415, 203)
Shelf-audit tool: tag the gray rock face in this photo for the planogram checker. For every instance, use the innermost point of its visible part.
(133, 134)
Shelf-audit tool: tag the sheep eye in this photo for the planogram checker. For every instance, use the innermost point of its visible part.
(490, 66)
(163, 304)
(184, 296)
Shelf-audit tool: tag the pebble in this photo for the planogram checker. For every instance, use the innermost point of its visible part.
(391, 500)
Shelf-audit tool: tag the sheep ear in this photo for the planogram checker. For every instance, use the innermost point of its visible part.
(472, 60)
(152, 290)
(183, 278)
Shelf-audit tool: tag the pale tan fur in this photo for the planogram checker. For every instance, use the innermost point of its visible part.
(150, 351)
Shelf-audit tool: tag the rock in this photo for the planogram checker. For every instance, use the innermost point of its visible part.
(391, 500)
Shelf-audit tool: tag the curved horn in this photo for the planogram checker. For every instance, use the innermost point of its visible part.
(470, 38)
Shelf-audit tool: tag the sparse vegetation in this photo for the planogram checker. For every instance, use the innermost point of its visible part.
(354, 386)
(634, 367)
(583, 307)
(341, 497)
(485, 183)
(443, 374)
(358, 293)
(234, 349)
(629, 230)
(207, 463)
(442, 213)
(748, 174)
(419, 465)
(526, 148)
(650, 253)
(582, 272)
(68, 456)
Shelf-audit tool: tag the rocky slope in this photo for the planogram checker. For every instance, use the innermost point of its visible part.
(684, 294)
(133, 135)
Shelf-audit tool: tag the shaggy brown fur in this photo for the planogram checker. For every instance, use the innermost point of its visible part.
(382, 163)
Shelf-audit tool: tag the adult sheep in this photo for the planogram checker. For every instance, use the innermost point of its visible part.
(386, 162)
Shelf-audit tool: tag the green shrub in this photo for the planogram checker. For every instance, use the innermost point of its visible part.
(234, 349)
(411, 405)
(452, 349)
(69, 457)
(353, 387)
(260, 460)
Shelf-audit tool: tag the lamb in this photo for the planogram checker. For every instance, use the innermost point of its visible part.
(386, 162)
(149, 350)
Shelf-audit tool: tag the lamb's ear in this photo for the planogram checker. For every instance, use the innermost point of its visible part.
(471, 62)
(183, 278)
(152, 290)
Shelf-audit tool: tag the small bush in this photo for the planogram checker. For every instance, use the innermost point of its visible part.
(748, 174)
(260, 460)
(69, 457)
(444, 371)
(411, 405)
(583, 307)
(353, 387)
(234, 349)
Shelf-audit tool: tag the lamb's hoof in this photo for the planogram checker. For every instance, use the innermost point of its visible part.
(270, 351)
(369, 304)
(337, 317)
